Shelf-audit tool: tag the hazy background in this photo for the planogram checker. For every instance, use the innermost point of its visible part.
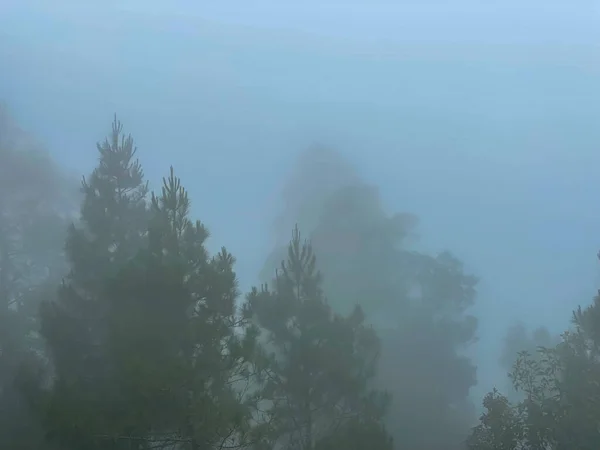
(481, 119)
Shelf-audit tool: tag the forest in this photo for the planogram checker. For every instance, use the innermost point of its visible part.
(119, 330)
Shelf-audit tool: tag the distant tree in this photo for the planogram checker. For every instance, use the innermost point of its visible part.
(303, 202)
(352, 233)
(34, 198)
(317, 380)
(418, 303)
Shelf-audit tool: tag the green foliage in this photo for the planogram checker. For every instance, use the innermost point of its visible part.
(146, 342)
(317, 375)
(501, 426)
(560, 409)
(111, 230)
(174, 334)
(113, 222)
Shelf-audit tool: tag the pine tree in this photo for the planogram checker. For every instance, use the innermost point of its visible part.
(177, 341)
(113, 222)
(111, 229)
(317, 379)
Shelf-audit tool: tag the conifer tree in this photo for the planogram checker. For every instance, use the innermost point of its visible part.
(179, 346)
(111, 229)
(317, 379)
(113, 222)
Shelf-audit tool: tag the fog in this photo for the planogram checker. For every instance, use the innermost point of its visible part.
(479, 118)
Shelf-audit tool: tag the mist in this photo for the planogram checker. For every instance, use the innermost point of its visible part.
(477, 120)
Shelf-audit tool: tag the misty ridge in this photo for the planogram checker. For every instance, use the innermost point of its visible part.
(305, 228)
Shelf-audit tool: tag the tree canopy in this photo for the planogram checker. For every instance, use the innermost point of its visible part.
(120, 330)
